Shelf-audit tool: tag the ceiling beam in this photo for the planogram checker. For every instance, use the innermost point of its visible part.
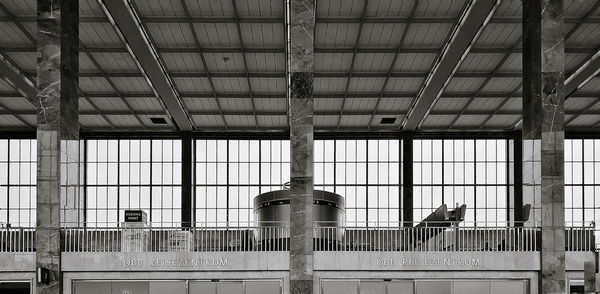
(583, 75)
(284, 113)
(125, 20)
(18, 80)
(490, 95)
(225, 19)
(323, 50)
(470, 26)
(317, 74)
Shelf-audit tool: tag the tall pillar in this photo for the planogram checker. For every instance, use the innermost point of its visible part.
(543, 133)
(57, 133)
(302, 27)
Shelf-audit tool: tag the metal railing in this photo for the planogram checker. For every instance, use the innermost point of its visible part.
(153, 238)
(582, 236)
(275, 237)
(428, 237)
(17, 239)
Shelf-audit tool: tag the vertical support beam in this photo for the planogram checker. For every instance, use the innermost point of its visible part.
(302, 27)
(407, 179)
(58, 171)
(543, 133)
(186, 180)
(516, 198)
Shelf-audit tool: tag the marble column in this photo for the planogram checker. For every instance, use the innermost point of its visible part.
(543, 134)
(302, 27)
(58, 169)
(589, 275)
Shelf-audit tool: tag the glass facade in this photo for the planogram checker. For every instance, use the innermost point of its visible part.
(367, 173)
(228, 174)
(133, 174)
(456, 172)
(18, 182)
(582, 181)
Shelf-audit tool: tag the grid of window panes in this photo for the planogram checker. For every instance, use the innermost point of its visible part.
(366, 173)
(18, 182)
(230, 173)
(456, 172)
(133, 174)
(582, 181)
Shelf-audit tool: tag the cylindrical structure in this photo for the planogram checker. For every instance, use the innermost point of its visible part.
(273, 209)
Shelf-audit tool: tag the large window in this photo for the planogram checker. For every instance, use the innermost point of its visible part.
(366, 173)
(18, 182)
(133, 174)
(582, 181)
(456, 172)
(230, 173)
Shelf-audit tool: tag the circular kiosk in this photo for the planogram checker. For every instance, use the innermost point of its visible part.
(272, 211)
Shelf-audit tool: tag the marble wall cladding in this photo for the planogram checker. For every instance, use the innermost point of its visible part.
(302, 26)
(543, 133)
(58, 173)
(589, 276)
(302, 31)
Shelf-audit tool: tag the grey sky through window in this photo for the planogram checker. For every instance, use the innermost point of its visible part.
(18, 182)
(456, 172)
(228, 174)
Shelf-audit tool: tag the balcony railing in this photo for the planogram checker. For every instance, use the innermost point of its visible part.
(17, 239)
(582, 236)
(168, 238)
(429, 237)
(275, 237)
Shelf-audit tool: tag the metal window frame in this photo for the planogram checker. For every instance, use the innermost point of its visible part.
(8, 185)
(583, 136)
(118, 185)
(469, 136)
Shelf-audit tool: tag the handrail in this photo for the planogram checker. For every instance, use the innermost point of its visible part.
(426, 238)
(139, 237)
(17, 239)
(208, 237)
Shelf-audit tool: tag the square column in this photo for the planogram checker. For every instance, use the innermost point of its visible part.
(302, 27)
(58, 169)
(543, 134)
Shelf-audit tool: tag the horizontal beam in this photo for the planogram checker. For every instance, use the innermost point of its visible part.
(270, 19)
(316, 74)
(317, 95)
(323, 50)
(284, 113)
(163, 19)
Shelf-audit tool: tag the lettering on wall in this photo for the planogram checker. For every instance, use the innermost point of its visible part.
(176, 263)
(428, 262)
